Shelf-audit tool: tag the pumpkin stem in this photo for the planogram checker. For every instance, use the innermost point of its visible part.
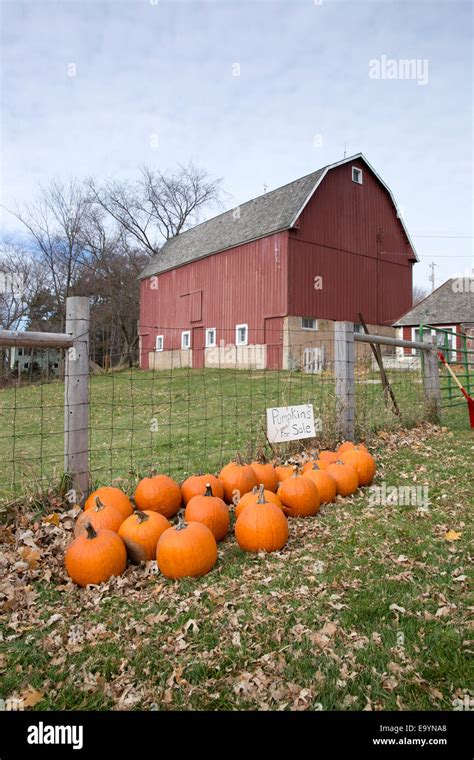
(239, 459)
(99, 505)
(141, 516)
(261, 458)
(91, 533)
(208, 490)
(316, 466)
(181, 523)
(152, 472)
(295, 471)
(261, 495)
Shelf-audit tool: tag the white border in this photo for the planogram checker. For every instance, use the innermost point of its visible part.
(162, 343)
(356, 169)
(188, 333)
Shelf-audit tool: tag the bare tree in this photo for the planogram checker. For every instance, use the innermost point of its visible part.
(419, 293)
(54, 221)
(110, 277)
(159, 205)
(22, 277)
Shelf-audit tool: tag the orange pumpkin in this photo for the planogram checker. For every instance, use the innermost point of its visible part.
(195, 485)
(158, 493)
(238, 479)
(211, 511)
(265, 473)
(347, 445)
(328, 456)
(347, 481)
(363, 462)
(262, 526)
(284, 471)
(252, 498)
(308, 465)
(299, 495)
(95, 556)
(101, 516)
(111, 497)
(140, 533)
(187, 550)
(325, 484)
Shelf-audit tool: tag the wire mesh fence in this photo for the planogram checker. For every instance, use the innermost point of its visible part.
(180, 418)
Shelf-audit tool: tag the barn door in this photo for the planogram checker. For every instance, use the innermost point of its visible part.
(274, 342)
(198, 347)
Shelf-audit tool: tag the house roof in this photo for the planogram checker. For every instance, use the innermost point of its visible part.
(451, 303)
(265, 215)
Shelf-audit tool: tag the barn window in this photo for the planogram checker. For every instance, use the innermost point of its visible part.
(308, 323)
(357, 175)
(159, 343)
(241, 335)
(186, 339)
(211, 337)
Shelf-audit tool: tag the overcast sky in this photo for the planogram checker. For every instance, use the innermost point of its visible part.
(150, 71)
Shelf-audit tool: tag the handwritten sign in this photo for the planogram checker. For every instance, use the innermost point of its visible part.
(290, 423)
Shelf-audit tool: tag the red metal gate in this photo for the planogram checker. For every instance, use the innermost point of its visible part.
(198, 347)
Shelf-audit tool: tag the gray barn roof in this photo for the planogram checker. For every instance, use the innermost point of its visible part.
(451, 303)
(262, 216)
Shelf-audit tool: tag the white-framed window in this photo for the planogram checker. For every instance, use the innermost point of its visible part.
(211, 337)
(159, 343)
(241, 335)
(440, 335)
(186, 339)
(357, 175)
(308, 323)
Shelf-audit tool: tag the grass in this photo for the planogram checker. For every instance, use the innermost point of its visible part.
(179, 422)
(366, 607)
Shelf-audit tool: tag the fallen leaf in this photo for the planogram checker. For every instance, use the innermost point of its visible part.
(30, 698)
(451, 535)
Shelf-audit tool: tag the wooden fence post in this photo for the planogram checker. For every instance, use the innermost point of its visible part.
(76, 394)
(430, 368)
(344, 364)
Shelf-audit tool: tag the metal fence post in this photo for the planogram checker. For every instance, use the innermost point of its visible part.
(344, 364)
(429, 363)
(76, 394)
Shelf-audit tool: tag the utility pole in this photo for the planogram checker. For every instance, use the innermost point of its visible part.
(432, 275)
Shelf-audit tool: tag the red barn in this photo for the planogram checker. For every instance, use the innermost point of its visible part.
(253, 285)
